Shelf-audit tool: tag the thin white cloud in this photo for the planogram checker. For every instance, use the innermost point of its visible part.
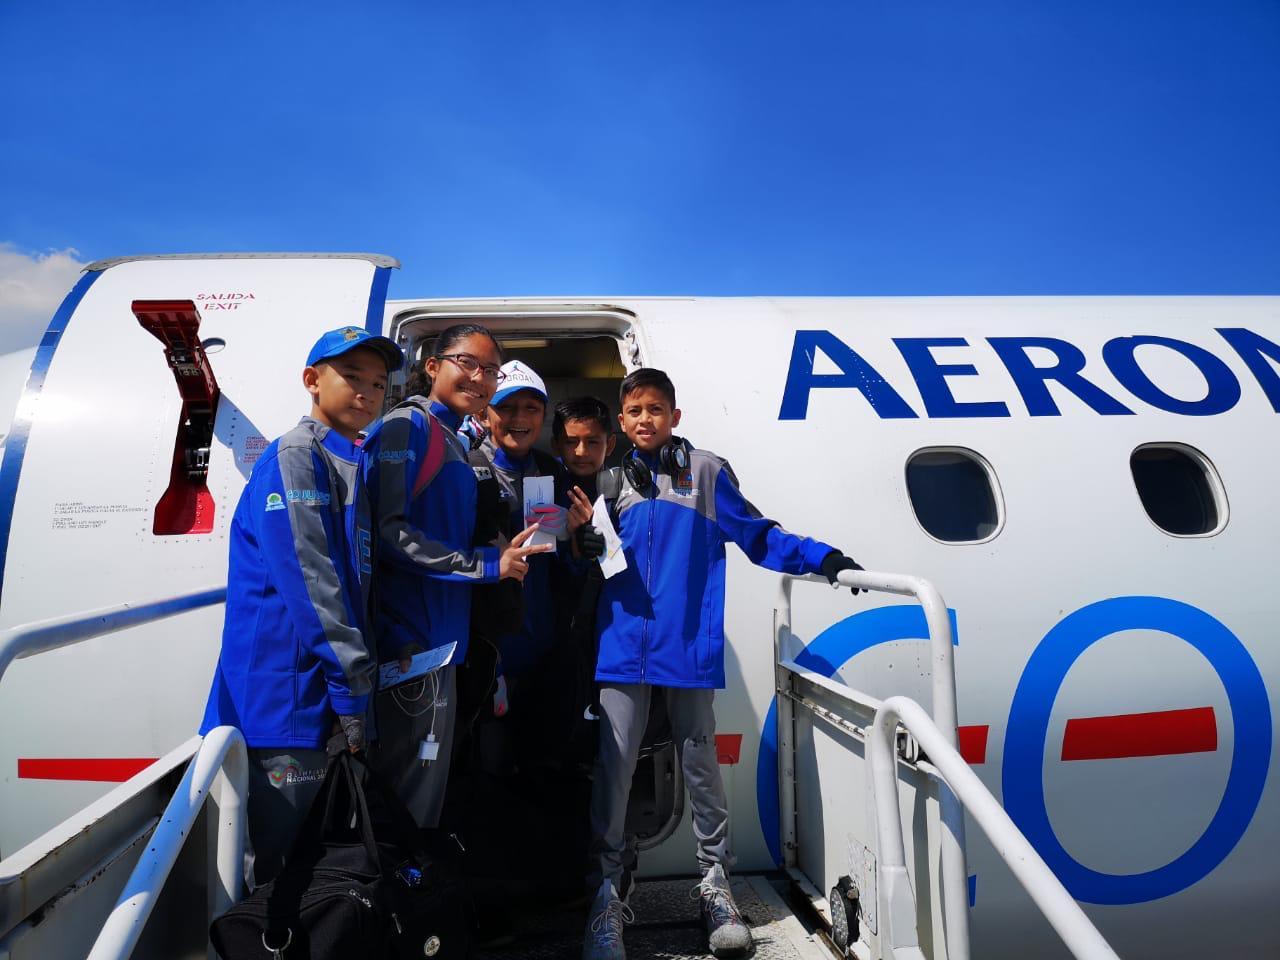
(31, 287)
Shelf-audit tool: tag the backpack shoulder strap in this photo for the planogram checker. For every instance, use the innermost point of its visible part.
(547, 465)
(609, 483)
(434, 458)
(437, 445)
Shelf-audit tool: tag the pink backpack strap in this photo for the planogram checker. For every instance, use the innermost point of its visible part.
(433, 460)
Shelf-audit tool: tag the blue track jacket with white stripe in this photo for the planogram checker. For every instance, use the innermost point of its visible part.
(661, 621)
(426, 565)
(293, 653)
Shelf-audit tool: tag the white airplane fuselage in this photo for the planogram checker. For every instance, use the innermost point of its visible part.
(1115, 680)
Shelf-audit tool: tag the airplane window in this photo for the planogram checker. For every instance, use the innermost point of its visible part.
(953, 493)
(1180, 489)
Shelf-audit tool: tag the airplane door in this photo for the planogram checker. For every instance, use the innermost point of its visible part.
(96, 446)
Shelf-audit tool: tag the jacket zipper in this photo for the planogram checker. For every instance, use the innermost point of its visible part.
(648, 586)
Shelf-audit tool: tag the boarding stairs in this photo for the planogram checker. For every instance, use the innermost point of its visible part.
(141, 871)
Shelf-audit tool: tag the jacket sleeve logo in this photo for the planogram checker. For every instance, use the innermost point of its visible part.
(310, 498)
(396, 456)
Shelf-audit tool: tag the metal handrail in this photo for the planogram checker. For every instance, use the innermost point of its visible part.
(29, 639)
(898, 919)
(954, 873)
(223, 756)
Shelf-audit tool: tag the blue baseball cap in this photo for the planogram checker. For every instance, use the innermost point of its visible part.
(337, 342)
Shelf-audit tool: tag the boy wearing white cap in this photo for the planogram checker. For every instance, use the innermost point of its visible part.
(522, 746)
(514, 420)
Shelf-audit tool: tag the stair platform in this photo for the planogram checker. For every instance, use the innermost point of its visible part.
(668, 926)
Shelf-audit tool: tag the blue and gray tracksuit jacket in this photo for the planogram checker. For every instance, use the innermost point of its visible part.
(293, 654)
(537, 635)
(661, 621)
(426, 565)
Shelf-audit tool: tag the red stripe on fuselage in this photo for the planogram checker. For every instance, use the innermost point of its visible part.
(1156, 734)
(728, 747)
(973, 743)
(99, 769)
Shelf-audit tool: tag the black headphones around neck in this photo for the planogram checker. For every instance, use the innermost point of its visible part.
(673, 457)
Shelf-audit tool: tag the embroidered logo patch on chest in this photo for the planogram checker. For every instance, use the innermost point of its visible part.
(682, 484)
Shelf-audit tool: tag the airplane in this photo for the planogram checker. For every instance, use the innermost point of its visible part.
(1086, 481)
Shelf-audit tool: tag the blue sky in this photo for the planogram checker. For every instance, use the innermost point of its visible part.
(660, 148)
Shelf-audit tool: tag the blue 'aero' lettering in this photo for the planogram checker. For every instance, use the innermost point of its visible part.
(1031, 376)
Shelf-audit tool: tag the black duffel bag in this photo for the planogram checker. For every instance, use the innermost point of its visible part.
(355, 884)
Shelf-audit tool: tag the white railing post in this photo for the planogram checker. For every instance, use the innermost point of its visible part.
(953, 870)
(898, 922)
(226, 873)
(223, 752)
(786, 724)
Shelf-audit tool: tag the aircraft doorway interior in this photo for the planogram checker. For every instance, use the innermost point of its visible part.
(571, 367)
(571, 363)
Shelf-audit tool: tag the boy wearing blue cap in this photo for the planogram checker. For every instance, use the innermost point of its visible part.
(295, 673)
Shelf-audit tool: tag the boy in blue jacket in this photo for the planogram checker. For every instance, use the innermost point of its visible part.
(514, 420)
(661, 623)
(294, 670)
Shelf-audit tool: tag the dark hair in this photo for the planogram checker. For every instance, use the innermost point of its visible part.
(581, 408)
(450, 337)
(647, 377)
(417, 383)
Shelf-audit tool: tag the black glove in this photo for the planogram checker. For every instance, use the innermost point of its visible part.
(834, 562)
(590, 542)
(351, 737)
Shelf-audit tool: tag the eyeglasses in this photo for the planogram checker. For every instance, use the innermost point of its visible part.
(470, 365)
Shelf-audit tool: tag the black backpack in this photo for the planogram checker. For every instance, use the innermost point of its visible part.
(356, 884)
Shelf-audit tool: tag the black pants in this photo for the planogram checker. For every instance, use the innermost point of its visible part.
(282, 784)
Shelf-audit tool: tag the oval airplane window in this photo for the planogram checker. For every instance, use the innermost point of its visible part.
(954, 495)
(1179, 489)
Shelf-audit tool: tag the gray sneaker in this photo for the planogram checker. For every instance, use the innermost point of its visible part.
(727, 934)
(603, 938)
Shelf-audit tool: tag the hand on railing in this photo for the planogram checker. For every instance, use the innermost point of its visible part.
(834, 562)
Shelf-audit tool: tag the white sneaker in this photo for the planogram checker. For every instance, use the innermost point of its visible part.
(603, 937)
(727, 935)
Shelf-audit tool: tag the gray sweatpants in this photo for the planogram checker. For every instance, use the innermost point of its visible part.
(282, 783)
(693, 727)
(406, 714)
